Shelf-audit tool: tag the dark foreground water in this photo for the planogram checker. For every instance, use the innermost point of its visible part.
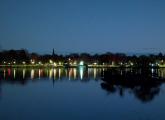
(67, 94)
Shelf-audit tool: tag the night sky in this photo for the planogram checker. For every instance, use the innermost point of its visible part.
(93, 26)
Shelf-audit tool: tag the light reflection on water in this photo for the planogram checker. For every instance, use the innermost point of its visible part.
(24, 73)
(69, 98)
(57, 73)
(14, 73)
(32, 74)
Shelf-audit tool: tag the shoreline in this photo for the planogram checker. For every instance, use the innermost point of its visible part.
(77, 66)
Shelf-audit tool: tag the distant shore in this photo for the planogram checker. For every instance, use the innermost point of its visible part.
(22, 58)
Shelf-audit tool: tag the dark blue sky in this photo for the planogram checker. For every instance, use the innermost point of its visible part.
(83, 25)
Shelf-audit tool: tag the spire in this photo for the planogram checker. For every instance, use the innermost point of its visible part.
(53, 54)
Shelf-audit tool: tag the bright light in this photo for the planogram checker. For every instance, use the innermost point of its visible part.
(4, 62)
(95, 63)
(59, 63)
(81, 63)
(14, 62)
(50, 61)
(23, 62)
(39, 62)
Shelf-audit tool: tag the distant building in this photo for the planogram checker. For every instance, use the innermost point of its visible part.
(53, 54)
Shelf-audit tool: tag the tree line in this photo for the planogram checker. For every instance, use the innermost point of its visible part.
(18, 56)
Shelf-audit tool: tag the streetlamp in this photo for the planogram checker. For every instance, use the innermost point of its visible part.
(81, 63)
(50, 61)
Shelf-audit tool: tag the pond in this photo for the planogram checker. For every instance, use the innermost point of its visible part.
(76, 93)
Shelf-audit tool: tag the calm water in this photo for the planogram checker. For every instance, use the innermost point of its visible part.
(31, 94)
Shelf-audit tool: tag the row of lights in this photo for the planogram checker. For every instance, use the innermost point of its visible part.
(55, 64)
(71, 63)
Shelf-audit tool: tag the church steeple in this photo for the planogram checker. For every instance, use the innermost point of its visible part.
(53, 54)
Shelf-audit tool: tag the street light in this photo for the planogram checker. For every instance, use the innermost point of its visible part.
(95, 63)
(50, 61)
(59, 63)
(81, 63)
(131, 63)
